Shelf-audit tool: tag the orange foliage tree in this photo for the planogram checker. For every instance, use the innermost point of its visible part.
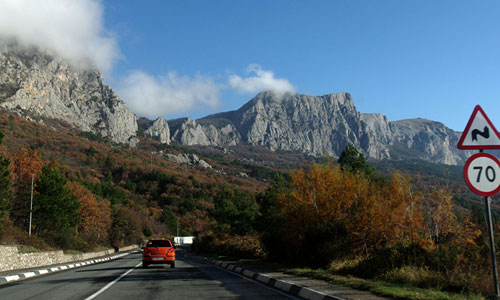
(329, 213)
(95, 215)
(364, 214)
(26, 163)
(454, 243)
(440, 220)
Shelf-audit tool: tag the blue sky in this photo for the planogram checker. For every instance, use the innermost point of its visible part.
(404, 59)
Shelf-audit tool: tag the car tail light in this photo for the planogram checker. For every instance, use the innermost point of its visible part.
(171, 250)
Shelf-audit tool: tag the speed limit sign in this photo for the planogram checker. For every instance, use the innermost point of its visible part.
(482, 174)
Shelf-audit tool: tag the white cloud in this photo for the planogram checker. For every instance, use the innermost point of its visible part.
(154, 96)
(71, 28)
(170, 95)
(262, 80)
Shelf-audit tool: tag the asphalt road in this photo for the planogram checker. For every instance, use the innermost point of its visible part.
(125, 279)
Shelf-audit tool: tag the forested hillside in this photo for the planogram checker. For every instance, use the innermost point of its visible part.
(91, 192)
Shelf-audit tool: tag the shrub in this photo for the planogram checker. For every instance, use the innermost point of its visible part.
(147, 231)
(384, 260)
(417, 276)
(247, 246)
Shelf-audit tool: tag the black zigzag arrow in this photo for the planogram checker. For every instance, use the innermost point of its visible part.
(485, 133)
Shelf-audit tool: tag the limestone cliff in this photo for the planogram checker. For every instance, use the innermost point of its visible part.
(37, 85)
(187, 131)
(325, 124)
(159, 130)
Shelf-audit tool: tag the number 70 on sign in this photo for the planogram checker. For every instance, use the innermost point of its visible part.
(482, 174)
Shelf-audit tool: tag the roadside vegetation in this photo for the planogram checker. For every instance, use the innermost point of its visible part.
(343, 222)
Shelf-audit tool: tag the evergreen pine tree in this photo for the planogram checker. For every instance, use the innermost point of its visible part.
(352, 160)
(5, 185)
(55, 208)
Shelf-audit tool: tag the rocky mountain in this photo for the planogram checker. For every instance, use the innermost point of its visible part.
(38, 85)
(321, 125)
(187, 131)
(159, 130)
(428, 140)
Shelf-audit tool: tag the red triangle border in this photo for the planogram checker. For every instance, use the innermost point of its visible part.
(467, 128)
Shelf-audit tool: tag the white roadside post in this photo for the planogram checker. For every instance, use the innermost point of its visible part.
(482, 170)
(31, 204)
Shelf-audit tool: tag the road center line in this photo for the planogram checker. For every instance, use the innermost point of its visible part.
(111, 283)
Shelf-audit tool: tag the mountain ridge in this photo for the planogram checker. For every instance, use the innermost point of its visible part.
(325, 124)
(37, 85)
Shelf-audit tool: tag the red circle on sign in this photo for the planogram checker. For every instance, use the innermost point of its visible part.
(468, 181)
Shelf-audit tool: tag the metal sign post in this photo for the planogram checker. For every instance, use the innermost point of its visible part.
(482, 175)
(492, 245)
(482, 170)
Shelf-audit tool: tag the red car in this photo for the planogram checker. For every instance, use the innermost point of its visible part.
(158, 251)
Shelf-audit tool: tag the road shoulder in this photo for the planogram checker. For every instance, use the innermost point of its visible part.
(303, 287)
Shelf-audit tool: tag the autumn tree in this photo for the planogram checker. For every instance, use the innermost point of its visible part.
(407, 207)
(95, 215)
(26, 165)
(123, 227)
(316, 210)
(338, 212)
(440, 221)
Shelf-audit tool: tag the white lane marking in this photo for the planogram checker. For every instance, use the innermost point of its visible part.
(111, 283)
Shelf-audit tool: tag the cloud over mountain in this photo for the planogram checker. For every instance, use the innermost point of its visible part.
(73, 29)
(154, 96)
(261, 80)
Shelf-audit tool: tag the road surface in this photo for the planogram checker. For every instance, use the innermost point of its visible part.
(124, 278)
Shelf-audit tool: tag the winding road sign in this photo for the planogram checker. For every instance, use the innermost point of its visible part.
(479, 132)
(482, 174)
(482, 170)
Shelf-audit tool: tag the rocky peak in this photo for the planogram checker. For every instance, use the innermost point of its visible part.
(188, 159)
(159, 130)
(428, 140)
(190, 132)
(377, 137)
(325, 124)
(317, 125)
(38, 85)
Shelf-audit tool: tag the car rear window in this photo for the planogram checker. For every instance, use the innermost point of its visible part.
(159, 243)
